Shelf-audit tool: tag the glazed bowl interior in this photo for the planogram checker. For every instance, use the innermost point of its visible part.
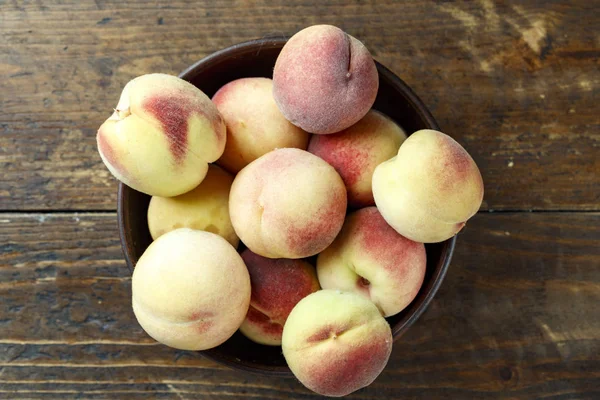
(256, 59)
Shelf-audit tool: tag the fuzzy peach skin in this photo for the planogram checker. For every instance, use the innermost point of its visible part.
(355, 152)
(430, 189)
(287, 204)
(370, 258)
(255, 125)
(336, 342)
(324, 79)
(190, 290)
(204, 208)
(277, 286)
(162, 136)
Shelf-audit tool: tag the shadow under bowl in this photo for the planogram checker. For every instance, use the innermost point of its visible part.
(256, 59)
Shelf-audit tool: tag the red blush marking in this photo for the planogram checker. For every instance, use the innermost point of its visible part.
(203, 326)
(329, 55)
(461, 161)
(264, 322)
(323, 227)
(173, 113)
(201, 315)
(202, 320)
(322, 334)
(278, 284)
(457, 166)
(350, 368)
(279, 160)
(327, 46)
(109, 154)
(221, 96)
(220, 128)
(326, 332)
(397, 253)
(347, 157)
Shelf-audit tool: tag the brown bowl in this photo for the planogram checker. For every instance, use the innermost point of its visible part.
(257, 58)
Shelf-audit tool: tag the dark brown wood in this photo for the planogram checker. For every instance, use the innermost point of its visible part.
(516, 318)
(515, 82)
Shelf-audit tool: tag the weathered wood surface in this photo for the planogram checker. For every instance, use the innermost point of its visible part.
(516, 82)
(516, 318)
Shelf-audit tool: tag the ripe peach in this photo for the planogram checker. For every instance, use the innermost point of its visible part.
(430, 189)
(324, 79)
(190, 290)
(370, 258)
(287, 204)
(162, 136)
(204, 208)
(356, 151)
(277, 286)
(336, 342)
(255, 125)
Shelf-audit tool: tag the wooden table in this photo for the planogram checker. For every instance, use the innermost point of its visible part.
(517, 83)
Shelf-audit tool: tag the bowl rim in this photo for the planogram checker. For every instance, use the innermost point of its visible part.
(416, 104)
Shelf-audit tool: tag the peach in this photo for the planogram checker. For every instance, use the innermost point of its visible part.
(190, 290)
(255, 125)
(277, 286)
(324, 79)
(162, 136)
(430, 189)
(370, 258)
(287, 204)
(204, 208)
(336, 342)
(356, 151)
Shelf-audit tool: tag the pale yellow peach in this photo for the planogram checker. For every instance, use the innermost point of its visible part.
(277, 286)
(324, 79)
(255, 126)
(287, 204)
(336, 342)
(190, 290)
(162, 135)
(430, 189)
(204, 208)
(370, 258)
(355, 152)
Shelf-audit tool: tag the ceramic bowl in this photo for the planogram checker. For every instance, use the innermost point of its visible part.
(257, 58)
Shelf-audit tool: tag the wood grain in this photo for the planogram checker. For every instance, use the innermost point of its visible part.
(516, 83)
(516, 318)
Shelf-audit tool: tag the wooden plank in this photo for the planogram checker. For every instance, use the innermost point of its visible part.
(516, 318)
(516, 83)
